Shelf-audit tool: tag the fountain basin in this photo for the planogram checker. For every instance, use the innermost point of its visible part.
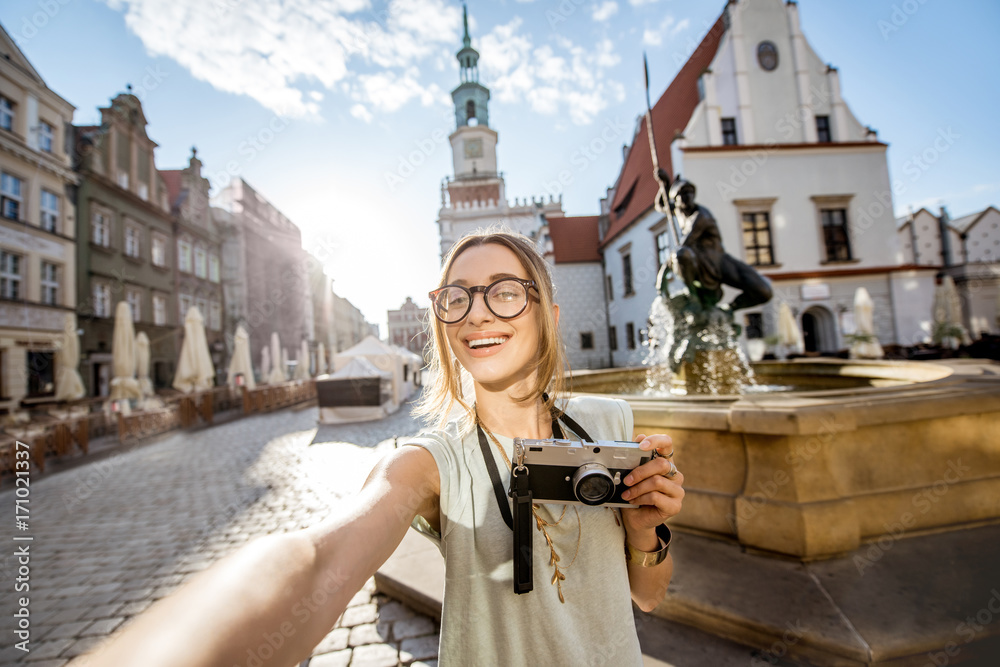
(859, 451)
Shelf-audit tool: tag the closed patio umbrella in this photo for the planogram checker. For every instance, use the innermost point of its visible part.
(277, 375)
(789, 334)
(142, 363)
(265, 363)
(947, 313)
(69, 384)
(302, 367)
(194, 366)
(866, 345)
(123, 382)
(241, 363)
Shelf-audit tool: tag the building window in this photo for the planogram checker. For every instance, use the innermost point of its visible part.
(729, 132)
(134, 298)
(100, 227)
(754, 325)
(159, 250)
(184, 256)
(132, 245)
(159, 310)
(215, 316)
(757, 238)
(586, 340)
(102, 300)
(41, 373)
(823, 129)
(613, 337)
(6, 114)
(202, 307)
(838, 244)
(184, 303)
(630, 335)
(200, 262)
(662, 250)
(10, 275)
(627, 273)
(50, 284)
(213, 268)
(10, 196)
(611, 288)
(45, 136)
(123, 179)
(50, 211)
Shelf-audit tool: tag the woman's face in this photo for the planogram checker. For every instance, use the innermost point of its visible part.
(510, 356)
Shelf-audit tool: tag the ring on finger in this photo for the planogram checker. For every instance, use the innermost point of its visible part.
(670, 455)
(673, 470)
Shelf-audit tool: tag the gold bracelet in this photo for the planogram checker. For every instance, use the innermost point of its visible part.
(650, 558)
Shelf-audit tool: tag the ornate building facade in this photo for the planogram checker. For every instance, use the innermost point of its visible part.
(125, 250)
(37, 229)
(198, 246)
(408, 327)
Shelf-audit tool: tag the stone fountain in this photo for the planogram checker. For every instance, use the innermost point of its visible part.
(784, 490)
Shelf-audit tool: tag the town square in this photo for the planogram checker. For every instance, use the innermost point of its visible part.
(721, 283)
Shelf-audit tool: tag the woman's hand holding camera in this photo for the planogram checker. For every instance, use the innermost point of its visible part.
(655, 488)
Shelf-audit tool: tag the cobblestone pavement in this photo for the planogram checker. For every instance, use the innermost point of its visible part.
(113, 535)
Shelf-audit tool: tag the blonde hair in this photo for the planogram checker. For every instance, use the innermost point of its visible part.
(550, 364)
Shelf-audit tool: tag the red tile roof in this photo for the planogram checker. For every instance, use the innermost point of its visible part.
(636, 186)
(172, 179)
(575, 239)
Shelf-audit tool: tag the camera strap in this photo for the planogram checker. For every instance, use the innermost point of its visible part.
(520, 520)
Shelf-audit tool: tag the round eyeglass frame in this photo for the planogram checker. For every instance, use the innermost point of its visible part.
(485, 289)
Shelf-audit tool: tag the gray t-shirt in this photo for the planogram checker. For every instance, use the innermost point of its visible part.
(483, 621)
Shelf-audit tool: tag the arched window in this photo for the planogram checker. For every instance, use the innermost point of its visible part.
(470, 109)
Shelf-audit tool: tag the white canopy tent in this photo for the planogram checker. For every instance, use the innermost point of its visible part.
(359, 391)
(384, 358)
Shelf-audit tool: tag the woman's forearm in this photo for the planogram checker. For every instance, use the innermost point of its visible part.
(648, 585)
(266, 604)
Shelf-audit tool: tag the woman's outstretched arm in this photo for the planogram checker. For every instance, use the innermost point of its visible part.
(272, 601)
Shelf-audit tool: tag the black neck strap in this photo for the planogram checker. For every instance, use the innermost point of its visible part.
(491, 466)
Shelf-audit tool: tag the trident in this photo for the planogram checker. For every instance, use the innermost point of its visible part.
(667, 282)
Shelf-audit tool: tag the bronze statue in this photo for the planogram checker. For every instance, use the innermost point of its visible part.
(702, 262)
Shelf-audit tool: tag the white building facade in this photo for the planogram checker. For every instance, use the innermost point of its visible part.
(799, 187)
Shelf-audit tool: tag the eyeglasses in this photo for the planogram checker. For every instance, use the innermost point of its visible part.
(505, 298)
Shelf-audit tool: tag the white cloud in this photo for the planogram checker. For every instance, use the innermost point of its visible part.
(668, 27)
(361, 112)
(554, 78)
(604, 11)
(280, 53)
(640, 3)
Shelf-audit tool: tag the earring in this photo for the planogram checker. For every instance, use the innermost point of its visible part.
(458, 378)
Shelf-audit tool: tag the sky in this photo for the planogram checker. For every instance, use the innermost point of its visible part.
(330, 109)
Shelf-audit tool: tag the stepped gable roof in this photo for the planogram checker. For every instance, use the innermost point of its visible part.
(575, 238)
(636, 187)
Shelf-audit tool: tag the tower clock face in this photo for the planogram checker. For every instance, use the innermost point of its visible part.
(473, 148)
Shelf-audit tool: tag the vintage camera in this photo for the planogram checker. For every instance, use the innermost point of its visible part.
(574, 472)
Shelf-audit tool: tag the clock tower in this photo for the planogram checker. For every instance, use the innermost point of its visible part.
(474, 197)
(473, 143)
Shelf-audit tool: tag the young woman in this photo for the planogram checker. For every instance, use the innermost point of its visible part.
(497, 323)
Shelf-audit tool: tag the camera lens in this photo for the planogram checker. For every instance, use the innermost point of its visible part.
(593, 484)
